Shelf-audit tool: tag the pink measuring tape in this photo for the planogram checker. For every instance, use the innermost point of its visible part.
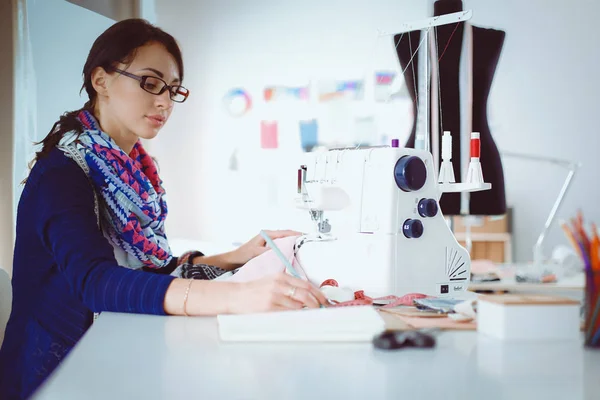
(361, 299)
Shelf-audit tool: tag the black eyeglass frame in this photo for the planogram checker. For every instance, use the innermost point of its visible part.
(173, 89)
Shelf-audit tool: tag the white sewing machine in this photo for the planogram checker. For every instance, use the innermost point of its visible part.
(379, 227)
(378, 224)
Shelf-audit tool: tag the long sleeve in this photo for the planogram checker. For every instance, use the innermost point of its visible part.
(68, 230)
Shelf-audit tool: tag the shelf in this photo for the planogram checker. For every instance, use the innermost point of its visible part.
(484, 237)
(463, 187)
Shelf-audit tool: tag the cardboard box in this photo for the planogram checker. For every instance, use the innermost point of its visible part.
(485, 224)
(485, 250)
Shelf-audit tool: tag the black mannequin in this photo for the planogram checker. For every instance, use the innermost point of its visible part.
(487, 45)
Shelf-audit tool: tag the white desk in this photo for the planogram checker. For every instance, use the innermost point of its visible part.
(571, 287)
(127, 356)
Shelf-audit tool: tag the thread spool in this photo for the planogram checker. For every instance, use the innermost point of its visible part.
(446, 174)
(474, 174)
(475, 145)
(446, 146)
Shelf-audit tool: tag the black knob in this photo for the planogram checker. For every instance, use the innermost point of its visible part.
(410, 173)
(412, 228)
(427, 208)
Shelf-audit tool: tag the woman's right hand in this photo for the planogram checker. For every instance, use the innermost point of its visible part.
(275, 292)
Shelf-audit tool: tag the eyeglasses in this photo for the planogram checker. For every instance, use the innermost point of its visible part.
(157, 86)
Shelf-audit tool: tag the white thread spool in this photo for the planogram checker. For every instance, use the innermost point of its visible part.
(446, 146)
(446, 174)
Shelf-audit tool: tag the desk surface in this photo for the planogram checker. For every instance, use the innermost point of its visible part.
(571, 284)
(127, 356)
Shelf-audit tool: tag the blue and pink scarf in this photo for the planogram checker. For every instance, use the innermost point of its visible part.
(132, 197)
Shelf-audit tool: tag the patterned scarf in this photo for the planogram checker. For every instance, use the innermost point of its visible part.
(133, 199)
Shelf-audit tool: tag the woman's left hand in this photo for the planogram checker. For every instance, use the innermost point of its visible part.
(257, 245)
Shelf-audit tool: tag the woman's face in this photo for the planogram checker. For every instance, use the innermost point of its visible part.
(133, 112)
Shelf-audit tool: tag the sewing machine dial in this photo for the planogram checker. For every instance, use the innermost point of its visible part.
(412, 228)
(427, 208)
(410, 173)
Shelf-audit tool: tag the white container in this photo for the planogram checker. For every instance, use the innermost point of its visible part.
(528, 317)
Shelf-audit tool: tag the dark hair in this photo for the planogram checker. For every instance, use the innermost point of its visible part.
(118, 44)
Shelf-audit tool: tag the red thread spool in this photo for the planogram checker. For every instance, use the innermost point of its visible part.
(475, 145)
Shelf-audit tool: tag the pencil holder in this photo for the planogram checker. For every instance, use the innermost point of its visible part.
(592, 309)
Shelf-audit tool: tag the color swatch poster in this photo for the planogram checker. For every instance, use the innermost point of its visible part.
(388, 88)
(383, 85)
(308, 134)
(237, 102)
(274, 93)
(333, 90)
(268, 135)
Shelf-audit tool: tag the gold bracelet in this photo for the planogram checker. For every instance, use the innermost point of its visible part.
(185, 298)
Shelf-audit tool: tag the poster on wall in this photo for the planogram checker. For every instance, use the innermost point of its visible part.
(274, 93)
(309, 130)
(331, 90)
(237, 102)
(383, 85)
(388, 87)
(268, 135)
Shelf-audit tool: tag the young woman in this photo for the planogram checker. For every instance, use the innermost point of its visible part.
(90, 225)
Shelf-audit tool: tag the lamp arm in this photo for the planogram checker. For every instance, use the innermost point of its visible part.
(538, 252)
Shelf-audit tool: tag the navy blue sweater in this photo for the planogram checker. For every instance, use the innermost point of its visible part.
(64, 270)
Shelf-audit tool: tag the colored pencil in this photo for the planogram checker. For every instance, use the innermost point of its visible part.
(569, 234)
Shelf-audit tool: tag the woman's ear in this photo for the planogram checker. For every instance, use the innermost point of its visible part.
(100, 81)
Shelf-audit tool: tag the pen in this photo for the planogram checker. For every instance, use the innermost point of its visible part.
(580, 231)
(571, 238)
(595, 250)
(285, 261)
(592, 331)
(288, 266)
(592, 323)
(586, 258)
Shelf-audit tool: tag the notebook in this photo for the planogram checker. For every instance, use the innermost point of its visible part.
(344, 324)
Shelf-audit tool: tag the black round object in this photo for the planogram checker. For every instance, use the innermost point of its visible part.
(412, 228)
(410, 173)
(428, 208)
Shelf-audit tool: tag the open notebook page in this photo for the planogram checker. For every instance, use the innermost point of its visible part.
(325, 324)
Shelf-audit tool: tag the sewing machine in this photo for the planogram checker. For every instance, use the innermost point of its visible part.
(378, 226)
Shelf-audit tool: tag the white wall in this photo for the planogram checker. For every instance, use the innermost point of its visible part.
(543, 101)
(59, 39)
(253, 44)
(59, 55)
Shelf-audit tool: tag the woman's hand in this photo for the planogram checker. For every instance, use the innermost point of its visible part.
(275, 292)
(257, 245)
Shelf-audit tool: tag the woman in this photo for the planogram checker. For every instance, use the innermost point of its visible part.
(90, 223)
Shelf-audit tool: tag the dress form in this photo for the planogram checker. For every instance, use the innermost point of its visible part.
(486, 48)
